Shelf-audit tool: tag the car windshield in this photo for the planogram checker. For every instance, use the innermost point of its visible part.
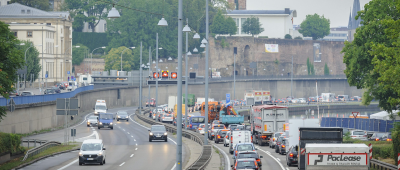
(247, 155)
(340, 97)
(100, 107)
(245, 164)
(240, 127)
(25, 93)
(390, 136)
(248, 127)
(218, 126)
(233, 126)
(105, 116)
(358, 133)
(93, 117)
(157, 128)
(198, 120)
(167, 115)
(277, 134)
(379, 135)
(122, 113)
(222, 133)
(245, 148)
(91, 147)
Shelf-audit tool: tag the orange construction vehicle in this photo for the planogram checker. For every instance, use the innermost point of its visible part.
(213, 110)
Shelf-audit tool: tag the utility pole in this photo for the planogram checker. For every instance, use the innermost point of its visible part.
(186, 77)
(149, 72)
(206, 80)
(157, 74)
(291, 82)
(140, 79)
(179, 89)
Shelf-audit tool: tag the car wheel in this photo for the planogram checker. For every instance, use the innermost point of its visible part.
(127, 119)
(117, 119)
(276, 150)
(149, 140)
(289, 164)
(166, 140)
(111, 128)
(80, 164)
(88, 125)
(102, 162)
(98, 127)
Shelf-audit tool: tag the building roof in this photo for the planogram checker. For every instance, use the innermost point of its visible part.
(16, 10)
(260, 12)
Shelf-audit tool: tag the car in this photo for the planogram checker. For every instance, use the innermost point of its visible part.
(92, 120)
(167, 118)
(183, 122)
(359, 134)
(72, 85)
(387, 137)
(378, 136)
(312, 99)
(60, 86)
(213, 130)
(247, 127)
(158, 132)
(278, 142)
(238, 127)
(14, 93)
(291, 155)
(227, 139)
(154, 114)
(57, 90)
(202, 128)
(250, 154)
(122, 115)
(65, 84)
(249, 163)
(282, 146)
(275, 137)
(302, 100)
(49, 91)
(27, 93)
(92, 151)
(105, 121)
(220, 135)
(232, 126)
(215, 122)
(242, 147)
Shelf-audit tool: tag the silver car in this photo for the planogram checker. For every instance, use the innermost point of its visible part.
(275, 137)
(92, 120)
(358, 134)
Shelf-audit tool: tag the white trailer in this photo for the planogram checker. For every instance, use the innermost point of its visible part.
(333, 156)
(294, 125)
(328, 97)
(172, 101)
(86, 79)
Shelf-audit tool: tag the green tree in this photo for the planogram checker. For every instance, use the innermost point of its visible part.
(371, 58)
(298, 38)
(130, 58)
(90, 11)
(308, 66)
(252, 26)
(78, 54)
(223, 25)
(11, 59)
(315, 26)
(288, 36)
(39, 4)
(326, 69)
(32, 59)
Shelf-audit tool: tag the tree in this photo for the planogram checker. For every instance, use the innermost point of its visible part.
(371, 58)
(11, 59)
(288, 36)
(223, 25)
(326, 70)
(90, 11)
(78, 54)
(298, 38)
(39, 4)
(315, 26)
(252, 26)
(310, 67)
(32, 59)
(130, 58)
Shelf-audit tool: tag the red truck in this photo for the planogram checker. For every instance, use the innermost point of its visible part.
(152, 102)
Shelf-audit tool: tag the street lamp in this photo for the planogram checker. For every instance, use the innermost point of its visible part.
(202, 45)
(169, 58)
(195, 50)
(123, 52)
(186, 29)
(91, 57)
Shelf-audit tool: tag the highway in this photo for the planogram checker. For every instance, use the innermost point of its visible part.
(127, 146)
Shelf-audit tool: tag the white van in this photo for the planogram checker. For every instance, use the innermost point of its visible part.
(242, 136)
(92, 151)
(100, 107)
(72, 85)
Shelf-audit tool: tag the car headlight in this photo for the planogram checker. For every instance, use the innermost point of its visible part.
(88, 122)
(100, 123)
(165, 133)
(95, 112)
(151, 134)
(80, 154)
(119, 116)
(111, 123)
(99, 154)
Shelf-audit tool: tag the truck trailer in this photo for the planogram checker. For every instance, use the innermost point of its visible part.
(266, 120)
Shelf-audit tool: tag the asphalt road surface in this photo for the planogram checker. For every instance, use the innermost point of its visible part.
(127, 147)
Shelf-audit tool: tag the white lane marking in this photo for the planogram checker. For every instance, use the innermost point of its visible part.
(228, 164)
(269, 154)
(134, 139)
(131, 155)
(122, 164)
(287, 168)
(173, 168)
(66, 166)
(128, 133)
(172, 140)
(278, 159)
(97, 135)
(123, 129)
(84, 120)
(135, 149)
(136, 144)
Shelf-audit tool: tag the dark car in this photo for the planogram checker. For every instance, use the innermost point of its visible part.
(377, 136)
(312, 99)
(183, 122)
(387, 137)
(291, 156)
(278, 142)
(158, 132)
(121, 115)
(249, 163)
(49, 91)
(250, 154)
(282, 146)
(220, 135)
(56, 89)
(60, 86)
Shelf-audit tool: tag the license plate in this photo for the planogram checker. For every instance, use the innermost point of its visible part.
(105, 126)
(89, 159)
(158, 136)
(295, 159)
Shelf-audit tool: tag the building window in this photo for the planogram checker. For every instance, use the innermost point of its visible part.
(28, 11)
(242, 20)
(29, 34)
(23, 11)
(16, 33)
(105, 27)
(48, 24)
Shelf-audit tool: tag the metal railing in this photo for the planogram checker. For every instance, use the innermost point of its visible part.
(39, 149)
(205, 155)
(44, 98)
(382, 165)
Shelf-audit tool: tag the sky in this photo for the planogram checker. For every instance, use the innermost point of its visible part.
(337, 11)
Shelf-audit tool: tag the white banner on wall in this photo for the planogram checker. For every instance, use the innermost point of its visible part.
(271, 48)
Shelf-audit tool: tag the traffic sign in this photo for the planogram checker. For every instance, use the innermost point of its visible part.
(312, 112)
(46, 76)
(73, 132)
(355, 114)
(74, 79)
(228, 98)
(11, 105)
(67, 72)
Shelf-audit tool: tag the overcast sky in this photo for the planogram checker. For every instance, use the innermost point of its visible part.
(337, 11)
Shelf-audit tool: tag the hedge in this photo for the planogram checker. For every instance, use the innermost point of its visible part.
(90, 40)
(396, 144)
(10, 143)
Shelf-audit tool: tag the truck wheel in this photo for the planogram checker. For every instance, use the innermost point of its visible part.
(259, 142)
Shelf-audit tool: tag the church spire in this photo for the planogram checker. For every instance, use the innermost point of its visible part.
(349, 26)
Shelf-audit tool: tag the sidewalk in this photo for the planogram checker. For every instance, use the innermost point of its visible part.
(215, 162)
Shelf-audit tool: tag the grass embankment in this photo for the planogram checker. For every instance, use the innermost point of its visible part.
(381, 150)
(18, 161)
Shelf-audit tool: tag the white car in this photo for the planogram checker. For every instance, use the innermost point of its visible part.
(201, 129)
(302, 100)
(92, 120)
(92, 151)
(167, 118)
(227, 139)
(359, 134)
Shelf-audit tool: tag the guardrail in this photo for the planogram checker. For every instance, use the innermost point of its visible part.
(44, 98)
(205, 156)
(37, 150)
(34, 141)
(382, 165)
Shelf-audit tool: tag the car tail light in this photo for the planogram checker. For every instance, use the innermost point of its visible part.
(258, 160)
(231, 139)
(388, 140)
(200, 128)
(251, 139)
(365, 136)
(273, 139)
(283, 146)
(291, 155)
(218, 136)
(263, 137)
(163, 117)
(190, 126)
(236, 153)
(377, 139)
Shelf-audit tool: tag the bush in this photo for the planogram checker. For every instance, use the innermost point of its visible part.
(396, 141)
(382, 151)
(10, 143)
(298, 38)
(90, 40)
(288, 36)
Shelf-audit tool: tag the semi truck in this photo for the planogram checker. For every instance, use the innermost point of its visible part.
(172, 101)
(292, 129)
(266, 120)
(176, 110)
(310, 135)
(336, 156)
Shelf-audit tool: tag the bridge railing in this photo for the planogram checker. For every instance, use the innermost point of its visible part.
(44, 98)
(376, 125)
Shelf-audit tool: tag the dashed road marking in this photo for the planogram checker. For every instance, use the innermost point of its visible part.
(136, 144)
(135, 149)
(134, 139)
(128, 133)
(122, 164)
(276, 159)
(132, 155)
(66, 166)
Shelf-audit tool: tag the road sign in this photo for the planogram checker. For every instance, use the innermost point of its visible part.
(74, 79)
(11, 105)
(355, 114)
(67, 72)
(46, 76)
(73, 132)
(312, 112)
(228, 98)
(67, 106)
(303, 151)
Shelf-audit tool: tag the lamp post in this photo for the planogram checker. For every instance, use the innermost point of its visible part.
(187, 30)
(25, 61)
(206, 78)
(123, 52)
(91, 57)
(140, 79)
